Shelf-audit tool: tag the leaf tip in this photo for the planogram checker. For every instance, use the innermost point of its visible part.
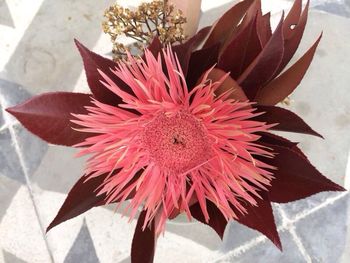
(278, 243)
(52, 225)
(11, 110)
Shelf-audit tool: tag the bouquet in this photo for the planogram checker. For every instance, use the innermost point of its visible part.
(183, 122)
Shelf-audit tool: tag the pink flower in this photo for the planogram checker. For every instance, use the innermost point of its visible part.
(177, 146)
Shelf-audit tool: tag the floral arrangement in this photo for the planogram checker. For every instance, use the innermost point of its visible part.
(187, 126)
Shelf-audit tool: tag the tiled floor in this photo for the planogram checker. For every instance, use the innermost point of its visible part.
(37, 51)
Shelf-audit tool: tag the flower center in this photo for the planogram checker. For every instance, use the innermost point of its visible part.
(177, 143)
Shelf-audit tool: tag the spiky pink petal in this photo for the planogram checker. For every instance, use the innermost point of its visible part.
(183, 146)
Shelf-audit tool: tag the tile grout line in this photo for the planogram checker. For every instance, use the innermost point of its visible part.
(10, 127)
(6, 125)
(324, 204)
(241, 249)
(286, 226)
(300, 244)
(291, 229)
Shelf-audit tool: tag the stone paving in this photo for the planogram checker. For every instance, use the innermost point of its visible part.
(37, 55)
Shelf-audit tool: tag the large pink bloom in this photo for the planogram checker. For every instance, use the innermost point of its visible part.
(177, 147)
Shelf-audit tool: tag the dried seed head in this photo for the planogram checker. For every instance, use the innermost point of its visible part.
(157, 18)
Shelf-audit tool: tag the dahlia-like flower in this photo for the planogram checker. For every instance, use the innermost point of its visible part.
(175, 146)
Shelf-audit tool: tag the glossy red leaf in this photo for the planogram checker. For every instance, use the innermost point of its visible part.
(287, 120)
(217, 221)
(278, 89)
(201, 60)
(228, 84)
(241, 51)
(264, 66)
(81, 198)
(93, 62)
(48, 116)
(223, 29)
(295, 178)
(184, 51)
(143, 242)
(261, 218)
(293, 37)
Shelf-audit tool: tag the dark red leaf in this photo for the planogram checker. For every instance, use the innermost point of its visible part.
(228, 84)
(223, 29)
(264, 28)
(48, 116)
(269, 138)
(93, 62)
(278, 89)
(155, 47)
(262, 69)
(294, 35)
(217, 221)
(143, 242)
(292, 19)
(184, 51)
(241, 51)
(287, 120)
(261, 218)
(201, 60)
(295, 177)
(81, 198)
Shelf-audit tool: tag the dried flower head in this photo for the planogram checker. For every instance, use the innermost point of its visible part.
(157, 18)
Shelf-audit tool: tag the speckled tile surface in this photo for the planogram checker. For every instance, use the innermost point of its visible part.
(37, 55)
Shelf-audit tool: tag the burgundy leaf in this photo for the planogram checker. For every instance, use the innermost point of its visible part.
(217, 221)
(223, 29)
(201, 60)
(93, 62)
(253, 11)
(183, 51)
(287, 120)
(286, 83)
(295, 177)
(200, 36)
(155, 47)
(81, 198)
(269, 138)
(294, 35)
(48, 116)
(228, 84)
(260, 218)
(292, 19)
(262, 69)
(264, 28)
(143, 242)
(241, 51)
